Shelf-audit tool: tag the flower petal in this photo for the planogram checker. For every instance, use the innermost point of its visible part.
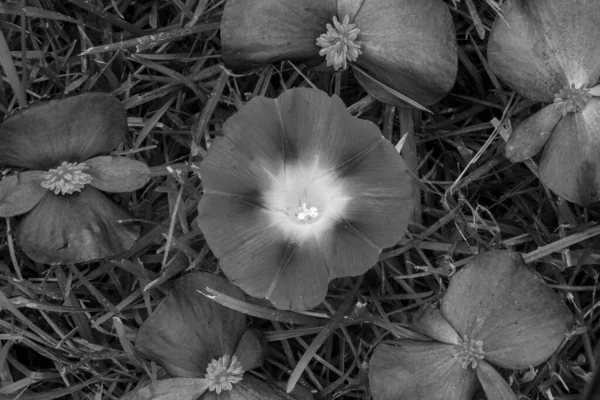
(498, 300)
(531, 135)
(76, 228)
(188, 330)
(538, 47)
(250, 350)
(252, 388)
(429, 321)
(570, 165)
(21, 192)
(494, 385)
(71, 129)
(117, 174)
(381, 194)
(390, 31)
(171, 389)
(264, 31)
(413, 370)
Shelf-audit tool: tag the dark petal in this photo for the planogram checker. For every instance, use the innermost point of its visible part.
(494, 385)
(21, 192)
(539, 47)
(76, 228)
(71, 129)
(413, 370)
(246, 159)
(389, 30)
(380, 188)
(319, 130)
(257, 256)
(570, 165)
(188, 330)
(264, 31)
(117, 174)
(531, 135)
(498, 300)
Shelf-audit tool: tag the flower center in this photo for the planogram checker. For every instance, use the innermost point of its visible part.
(67, 178)
(471, 351)
(304, 213)
(572, 100)
(223, 373)
(339, 44)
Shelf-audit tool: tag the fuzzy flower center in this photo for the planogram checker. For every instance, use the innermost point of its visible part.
(471, 351)
(339, 44)
(305, 200)
(572, 100)
(67, 178)
(223, 373)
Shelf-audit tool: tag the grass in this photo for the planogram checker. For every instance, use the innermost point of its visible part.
(68, 332)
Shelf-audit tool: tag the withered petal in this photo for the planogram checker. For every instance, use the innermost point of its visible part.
(413, 370)
(531, 135)
(570, 164)
(76, 228)
(21, 192)
(188, 330)
(540, 46)
(117, 174)
(498, 300)
(71, 129)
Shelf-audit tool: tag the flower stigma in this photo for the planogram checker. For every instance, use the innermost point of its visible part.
(67, 178)
(339, 44)
(304, 213)
(571, 100)
(471, 351)
(223, 373)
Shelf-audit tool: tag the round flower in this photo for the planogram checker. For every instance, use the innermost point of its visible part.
(61, 144)
(408, 46)
(298, 192)
(495, 311)
(549, 51)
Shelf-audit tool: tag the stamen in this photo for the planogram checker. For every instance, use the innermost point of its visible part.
(339, 43)
(304, 213)
(223, 373)
(572, 100)
(67, 178)
(471, 351)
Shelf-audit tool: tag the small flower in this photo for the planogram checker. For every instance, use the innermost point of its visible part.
(495, 312)
(554, 61)
(340, 43)
(62, 144)
(298, 192)
(404, 45)
(224, 373)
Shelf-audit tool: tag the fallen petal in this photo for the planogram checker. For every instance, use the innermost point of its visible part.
(21, 192)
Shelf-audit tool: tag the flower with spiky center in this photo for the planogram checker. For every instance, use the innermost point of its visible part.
(549, 51)
(298, 192)
(224, 373)
(61, 144)
(339, 44)
(407, 46)
(496, 311)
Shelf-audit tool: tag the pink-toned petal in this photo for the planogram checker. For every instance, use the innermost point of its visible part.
(413, 370)
(264, 31)
(20, 193)
(494, 385)
(117, 174)
(188, 330)
(570, 165)
(319, 130)
(531, 135)
(76, 228)
(258, 257)
(381, 194)
(538, 47)
(409, 46)
(498, 300)
(71, 129)
(244, 160)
